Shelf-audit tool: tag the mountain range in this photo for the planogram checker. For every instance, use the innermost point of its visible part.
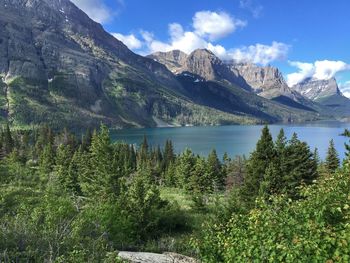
(59, 66)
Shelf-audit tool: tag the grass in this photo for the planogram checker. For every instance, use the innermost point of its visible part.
(179, 196)
(193, 218)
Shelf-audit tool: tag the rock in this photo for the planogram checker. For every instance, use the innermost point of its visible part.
(200, 62)
(173, 60)
(144, 257)
(59, 51)
(266, 81)
(317, 89)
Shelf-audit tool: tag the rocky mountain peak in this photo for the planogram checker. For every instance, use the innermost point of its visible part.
(200, 62)
(258, 77)
(315, 89)
(57, 48)
(174, 60)
(205, 64)
(267, 81)
(204, 54)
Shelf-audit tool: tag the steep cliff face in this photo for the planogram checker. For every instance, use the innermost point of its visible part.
(174, 60)
(217, 84)
(202, 63)
(318, 89)
(261, 79)
(266, 81)
(327, 94)
(61, 65)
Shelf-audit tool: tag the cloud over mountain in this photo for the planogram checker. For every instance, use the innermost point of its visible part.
(208, 27)
(320, 69)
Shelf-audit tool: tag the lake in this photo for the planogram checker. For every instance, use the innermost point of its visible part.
(236, 140)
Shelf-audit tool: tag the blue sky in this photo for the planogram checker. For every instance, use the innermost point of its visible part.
(304, 38)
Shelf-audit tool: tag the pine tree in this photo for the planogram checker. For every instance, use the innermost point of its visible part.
(46, 160)
(258, 163)
(132, 158)
(86, 140)
(184, 167)
(8, 142)
(271, 183)
(300, 166)
(280, 144)
(102, 177)
(317, 157)
(62, 161)
(170, 175)
(45, 137)
(143, 153)
(76, 169)
(215, 172)
(200, 180)
(273, 178)
(332, 160)
(143, 198)
(169, 156)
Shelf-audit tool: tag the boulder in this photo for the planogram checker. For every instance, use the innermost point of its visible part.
(145, 257)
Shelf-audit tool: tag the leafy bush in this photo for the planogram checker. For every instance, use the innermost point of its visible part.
(313, 229)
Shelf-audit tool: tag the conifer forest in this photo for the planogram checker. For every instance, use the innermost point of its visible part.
(68, 197)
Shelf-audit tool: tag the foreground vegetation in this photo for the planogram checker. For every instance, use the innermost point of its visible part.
(69, 199)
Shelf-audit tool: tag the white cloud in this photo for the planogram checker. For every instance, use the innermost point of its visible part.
(215, 25)
(131, 41)
(345, 88)
(255, 9)
(185, 41)
(207, 26)
(306, 70)
(259, 53)
(95, 9)
(327, 69)
(320, 69)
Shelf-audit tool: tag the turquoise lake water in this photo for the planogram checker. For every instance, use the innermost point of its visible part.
(235, 140)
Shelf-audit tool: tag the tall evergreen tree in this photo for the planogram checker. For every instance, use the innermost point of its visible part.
(86, 140)
(201, 181)
(317, 157)
(169, 155)
(143, 152)
(62, 161)
(184, 167)
(46, 160)
(215, 172)
(77, 168)
(8, 141)
(170, 175)
(300, 166)
(273, 178)
(281, 142)
(332, 160)
(258, 163)
(102, 179)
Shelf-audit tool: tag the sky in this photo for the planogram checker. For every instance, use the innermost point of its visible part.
(303, 38)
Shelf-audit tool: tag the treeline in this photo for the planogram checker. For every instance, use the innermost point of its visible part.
(69, 198)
